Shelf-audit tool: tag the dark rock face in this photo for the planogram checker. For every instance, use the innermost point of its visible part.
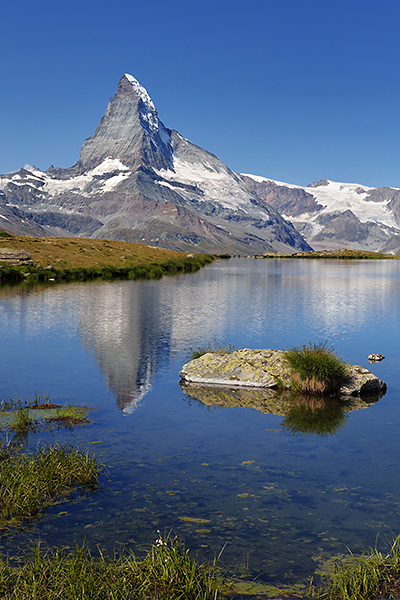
(130, 131)
(136, 180)
(288, 201)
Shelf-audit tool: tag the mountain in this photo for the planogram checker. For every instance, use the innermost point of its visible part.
(333, 215)
(138, 181)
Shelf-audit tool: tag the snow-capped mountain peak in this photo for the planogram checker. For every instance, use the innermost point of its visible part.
(139, 181)
(141, 91)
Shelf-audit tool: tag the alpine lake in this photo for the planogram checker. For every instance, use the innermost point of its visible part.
(279, 491)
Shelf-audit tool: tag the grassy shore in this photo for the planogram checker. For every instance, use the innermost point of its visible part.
(374, 574)
(345, 254)
(71, 259)
(166, 573)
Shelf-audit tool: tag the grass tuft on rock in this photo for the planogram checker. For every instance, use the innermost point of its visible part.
(30, 482)
(214, 347)
(166, 573)
(316, 369)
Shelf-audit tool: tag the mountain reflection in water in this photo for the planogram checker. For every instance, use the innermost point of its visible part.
(284, 503)
(125, 332)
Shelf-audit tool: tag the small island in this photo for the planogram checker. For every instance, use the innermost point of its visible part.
(246, 368)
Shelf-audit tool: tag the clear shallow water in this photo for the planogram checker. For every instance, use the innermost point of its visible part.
(214, 475)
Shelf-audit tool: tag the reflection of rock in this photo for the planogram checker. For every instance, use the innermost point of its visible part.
(266, 369)
(264, 400)
(271, 401)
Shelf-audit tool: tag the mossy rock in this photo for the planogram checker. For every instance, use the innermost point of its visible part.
(268, 368)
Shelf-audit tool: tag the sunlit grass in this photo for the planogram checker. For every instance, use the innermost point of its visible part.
(29, 482)
(79, 259)
(214, 347)
(317, 369)
(372, 575)
(166, 573)
(40, 412)
(345, 254)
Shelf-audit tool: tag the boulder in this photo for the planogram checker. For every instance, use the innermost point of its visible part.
(266, 369)
(11, 256)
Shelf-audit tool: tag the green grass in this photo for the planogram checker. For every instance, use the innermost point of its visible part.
(22, 421)
(372, 575)
(345, 254)
(317, 369)
(78, 259)
(214, 347)
(30, 482)
(166, 573)
(22, 416)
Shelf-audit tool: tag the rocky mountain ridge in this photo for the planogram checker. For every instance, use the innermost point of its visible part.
(332, 215)
(138, 181)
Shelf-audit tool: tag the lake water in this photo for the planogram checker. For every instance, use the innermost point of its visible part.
(281, 500)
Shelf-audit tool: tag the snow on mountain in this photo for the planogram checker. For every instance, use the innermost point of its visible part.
(141, 92)
(333, 214)
(90, 182)
(140, 181)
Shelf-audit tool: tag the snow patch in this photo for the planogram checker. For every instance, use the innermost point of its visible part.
(339, 197)
(336, 196)
(87, 183)
(141, 91)
(166, 184)
(111, 183)
(218, 185)
(108, 166)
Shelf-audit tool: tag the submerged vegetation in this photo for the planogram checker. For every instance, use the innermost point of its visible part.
(31, 482)
(317, 369)
(21, 416)
(372, 575)
(166, 573)
(79, 259)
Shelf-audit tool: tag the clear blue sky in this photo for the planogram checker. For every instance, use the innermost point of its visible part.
(294, 90)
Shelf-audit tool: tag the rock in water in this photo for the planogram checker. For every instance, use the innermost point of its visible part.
(375, 357)
(266, 369)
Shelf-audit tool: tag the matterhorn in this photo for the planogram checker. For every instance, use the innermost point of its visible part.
(137, 180)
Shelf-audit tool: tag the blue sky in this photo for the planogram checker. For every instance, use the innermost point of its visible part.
(294, 90)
